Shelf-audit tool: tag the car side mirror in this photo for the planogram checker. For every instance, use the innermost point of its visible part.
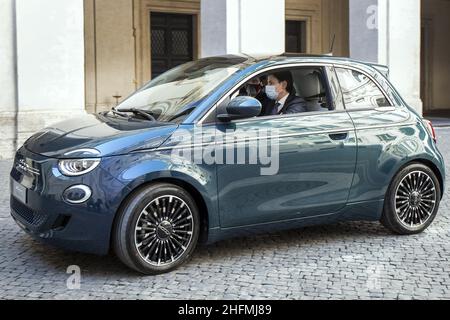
(241, 108)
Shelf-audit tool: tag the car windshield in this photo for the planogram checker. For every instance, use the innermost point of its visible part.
(175, 94)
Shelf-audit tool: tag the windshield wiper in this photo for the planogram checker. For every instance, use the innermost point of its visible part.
(116, 112)
(144, 113)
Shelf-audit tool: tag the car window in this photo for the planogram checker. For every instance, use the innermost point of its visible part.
(388, 89)
(308, 91)
(311, 85)
(337, 99)
(359, 90)
(174, 94)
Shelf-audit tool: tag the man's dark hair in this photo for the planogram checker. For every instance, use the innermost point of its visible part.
(286, 76)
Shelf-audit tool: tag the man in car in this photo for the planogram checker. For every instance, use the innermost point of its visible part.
(255, 89)
(280, 89)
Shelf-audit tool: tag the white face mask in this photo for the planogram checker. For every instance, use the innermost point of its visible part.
(271, 92)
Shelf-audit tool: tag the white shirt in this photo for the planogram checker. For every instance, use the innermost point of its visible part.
(282, 102)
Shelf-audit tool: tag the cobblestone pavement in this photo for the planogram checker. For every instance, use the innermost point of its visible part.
(342, 261)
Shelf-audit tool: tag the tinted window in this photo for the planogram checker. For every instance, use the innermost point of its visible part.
(359, 91)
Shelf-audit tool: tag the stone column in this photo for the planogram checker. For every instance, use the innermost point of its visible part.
(363, 33)
(399, 46)
(50, 63)
(388, 32)
(8, 103)
(242, 26)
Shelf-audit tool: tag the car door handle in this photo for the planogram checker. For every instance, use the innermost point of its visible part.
(338, 136)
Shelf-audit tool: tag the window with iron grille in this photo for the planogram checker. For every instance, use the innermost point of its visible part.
(171, 41)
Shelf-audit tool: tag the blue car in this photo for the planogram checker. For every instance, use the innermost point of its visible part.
(228, 146)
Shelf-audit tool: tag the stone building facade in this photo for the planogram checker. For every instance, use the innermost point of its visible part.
(59, 59)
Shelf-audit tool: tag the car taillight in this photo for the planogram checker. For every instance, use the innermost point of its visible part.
(431, 129)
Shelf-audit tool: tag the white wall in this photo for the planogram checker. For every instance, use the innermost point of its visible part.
(50, 50)
(50, 63)
(7, 56)
(213, 19)
(399, 46)
(363, 33)
(242, 26)
(263, 26)
(7, 78)
(388, 32)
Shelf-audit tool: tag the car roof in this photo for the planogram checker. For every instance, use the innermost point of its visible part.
(286, 58)
(294, 57)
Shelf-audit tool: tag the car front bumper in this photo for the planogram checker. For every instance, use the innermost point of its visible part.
(43, 213)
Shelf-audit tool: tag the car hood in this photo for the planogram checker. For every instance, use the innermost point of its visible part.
(107, 134)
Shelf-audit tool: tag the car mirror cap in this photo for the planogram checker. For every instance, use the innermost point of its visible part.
(244, 107)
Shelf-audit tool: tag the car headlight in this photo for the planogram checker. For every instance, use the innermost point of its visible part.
(77, 167)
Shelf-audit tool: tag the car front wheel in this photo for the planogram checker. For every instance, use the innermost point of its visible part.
(157, 229)
(412, 200)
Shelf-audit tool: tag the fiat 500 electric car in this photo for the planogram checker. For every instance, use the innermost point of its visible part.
(228, 146)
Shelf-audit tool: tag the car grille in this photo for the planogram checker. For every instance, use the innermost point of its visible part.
(26, 214)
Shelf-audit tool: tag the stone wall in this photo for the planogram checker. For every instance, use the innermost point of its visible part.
(42, 67)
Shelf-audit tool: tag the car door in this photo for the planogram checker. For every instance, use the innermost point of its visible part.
(316, 163)
(382, 124)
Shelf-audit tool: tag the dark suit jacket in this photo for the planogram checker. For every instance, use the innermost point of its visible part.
(292, 105)
(266, 103)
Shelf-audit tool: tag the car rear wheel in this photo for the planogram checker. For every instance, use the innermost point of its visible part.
(412, 200)
(157, 229)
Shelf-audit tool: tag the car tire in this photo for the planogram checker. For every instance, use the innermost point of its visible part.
(157, 229)
(412, 200)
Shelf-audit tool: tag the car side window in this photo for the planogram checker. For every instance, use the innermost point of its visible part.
(307, 91)
(388, 89)
(359, 91)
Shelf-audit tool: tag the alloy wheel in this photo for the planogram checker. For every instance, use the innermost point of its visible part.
(164, 230)
(415, 199)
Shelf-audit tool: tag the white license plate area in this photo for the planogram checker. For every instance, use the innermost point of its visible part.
(19, 192)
